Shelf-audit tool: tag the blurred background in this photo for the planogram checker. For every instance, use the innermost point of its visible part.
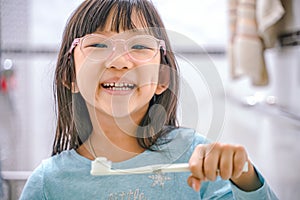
(263, 114)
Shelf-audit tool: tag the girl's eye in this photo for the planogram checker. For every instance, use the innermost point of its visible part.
(140, 47)
(99, 45)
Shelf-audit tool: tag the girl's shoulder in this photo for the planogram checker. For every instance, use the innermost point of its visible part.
(54, 172)
(68, 160)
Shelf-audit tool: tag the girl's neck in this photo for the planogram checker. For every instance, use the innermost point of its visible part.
(116, 149)
(114, 138)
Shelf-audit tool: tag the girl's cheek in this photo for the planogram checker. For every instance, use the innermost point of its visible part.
(88, 75)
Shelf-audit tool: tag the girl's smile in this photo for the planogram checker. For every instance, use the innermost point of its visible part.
(116, 86)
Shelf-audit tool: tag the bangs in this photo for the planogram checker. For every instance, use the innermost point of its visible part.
(120, 18)
(123, 15)
(128, 15)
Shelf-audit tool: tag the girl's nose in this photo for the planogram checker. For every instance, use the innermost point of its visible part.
(119, 61)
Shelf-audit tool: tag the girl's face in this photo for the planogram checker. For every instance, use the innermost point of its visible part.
(123, 83)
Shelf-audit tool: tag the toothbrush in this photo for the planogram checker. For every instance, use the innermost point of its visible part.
(102, 167)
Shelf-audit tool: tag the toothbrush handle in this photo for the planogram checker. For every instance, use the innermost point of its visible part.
(184, 167)
(180, 167)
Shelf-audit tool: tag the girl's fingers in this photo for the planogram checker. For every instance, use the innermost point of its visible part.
(196, 162)
(239, 160)
(226, 164)
(210, 160)
(211, 164)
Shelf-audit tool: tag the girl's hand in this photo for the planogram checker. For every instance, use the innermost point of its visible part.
(226, 160)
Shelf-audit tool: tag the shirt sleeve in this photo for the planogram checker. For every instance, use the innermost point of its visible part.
(264, 192)
(218, 189)
(33, 188)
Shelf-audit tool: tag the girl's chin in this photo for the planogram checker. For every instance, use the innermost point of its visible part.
(114, 113)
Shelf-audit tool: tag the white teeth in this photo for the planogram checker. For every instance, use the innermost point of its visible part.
(118, 86)
(119, 89)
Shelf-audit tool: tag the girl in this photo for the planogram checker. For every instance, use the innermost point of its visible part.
(116, 89)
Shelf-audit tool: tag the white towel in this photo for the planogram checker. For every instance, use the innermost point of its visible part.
(250, 21)
(268, 13)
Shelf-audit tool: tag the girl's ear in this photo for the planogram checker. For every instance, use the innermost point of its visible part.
(163, 79)
(161, 88)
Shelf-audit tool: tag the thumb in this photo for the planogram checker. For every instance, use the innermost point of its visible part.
(194, 183)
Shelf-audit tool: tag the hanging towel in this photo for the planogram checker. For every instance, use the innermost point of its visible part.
(249, 23)
(268, 13)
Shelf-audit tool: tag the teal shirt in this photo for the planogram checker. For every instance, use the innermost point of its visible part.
(67, 176)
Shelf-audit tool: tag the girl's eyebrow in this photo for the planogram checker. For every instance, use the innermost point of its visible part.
(106, 33)
(126, 33)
